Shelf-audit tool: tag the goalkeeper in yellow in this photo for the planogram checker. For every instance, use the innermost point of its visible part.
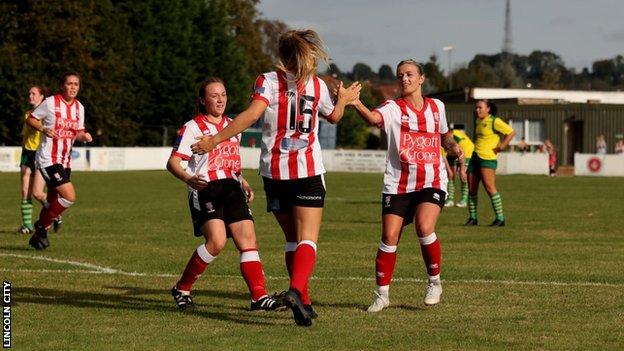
(488, 131)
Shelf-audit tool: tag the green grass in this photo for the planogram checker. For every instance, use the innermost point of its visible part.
(552, 279)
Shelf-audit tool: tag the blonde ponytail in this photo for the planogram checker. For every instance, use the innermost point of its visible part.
(298, 51)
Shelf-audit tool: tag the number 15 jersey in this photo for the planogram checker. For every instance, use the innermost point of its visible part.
(290, 147)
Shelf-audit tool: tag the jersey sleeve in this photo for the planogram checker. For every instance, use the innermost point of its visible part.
(183, 141)
(502, 127)
(325, 105)
(81, 118)
(41, 111)
(386, 110)
(262, 90)
(442, 111)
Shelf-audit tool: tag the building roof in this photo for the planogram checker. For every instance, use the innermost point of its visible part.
(549, 96)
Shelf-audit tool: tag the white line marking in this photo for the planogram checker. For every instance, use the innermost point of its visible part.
(95, 269)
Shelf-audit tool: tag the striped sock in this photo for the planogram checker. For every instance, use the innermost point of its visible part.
(464, 192)
(27, 210)
(450, 190)
(472, 206)
(497, 204)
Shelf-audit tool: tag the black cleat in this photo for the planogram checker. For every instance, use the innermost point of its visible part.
(39, 240)
(471, 221)
(268, 303)
(57, 223)
(301, 315)
(311, 311)
(184, 301)
(498, 223)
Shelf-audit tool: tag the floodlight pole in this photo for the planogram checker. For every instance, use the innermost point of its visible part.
(449, 49)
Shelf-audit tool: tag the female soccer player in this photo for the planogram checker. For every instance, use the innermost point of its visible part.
(488, 128)
(32, 181)
(291, 99)
(467, 147)
(415, 177)
(218, 197)
(60, 119)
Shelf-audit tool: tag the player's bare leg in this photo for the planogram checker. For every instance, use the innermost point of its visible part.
(425, 221)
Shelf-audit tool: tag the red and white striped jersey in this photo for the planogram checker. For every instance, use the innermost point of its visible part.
(221, 163)
(414, 160)
(66, 120)
(290, 147)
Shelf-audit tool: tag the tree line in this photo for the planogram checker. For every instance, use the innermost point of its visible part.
(142, 61)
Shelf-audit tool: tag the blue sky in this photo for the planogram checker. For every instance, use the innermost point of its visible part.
(377, 32)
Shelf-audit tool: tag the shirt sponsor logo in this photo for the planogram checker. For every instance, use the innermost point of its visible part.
(225, 156)
(420, 148)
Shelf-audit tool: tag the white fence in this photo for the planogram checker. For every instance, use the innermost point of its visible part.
(358, 161)
(599, 165)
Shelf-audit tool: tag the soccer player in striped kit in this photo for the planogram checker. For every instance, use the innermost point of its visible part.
(415, 177)
(292, 99)
(60, 119)
(218, 197)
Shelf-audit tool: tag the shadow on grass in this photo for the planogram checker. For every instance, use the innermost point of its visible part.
(131, 300)
(23, 247)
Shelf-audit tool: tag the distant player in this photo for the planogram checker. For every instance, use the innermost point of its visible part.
(467, 147)
(60, 119)
(32, 181)
(218, 198)
(292, 99)
(488, 143)
(415, 177)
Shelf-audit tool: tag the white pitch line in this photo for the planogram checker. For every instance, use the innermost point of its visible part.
(107, 270)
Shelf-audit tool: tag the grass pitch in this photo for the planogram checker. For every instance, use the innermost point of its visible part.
(552, 279)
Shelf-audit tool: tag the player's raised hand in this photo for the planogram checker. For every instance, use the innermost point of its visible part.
(350, 94)
(205, 144)
(50, 133)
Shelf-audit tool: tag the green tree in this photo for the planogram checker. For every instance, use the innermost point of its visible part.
(436, 81)
(385, 73)
(362, 72)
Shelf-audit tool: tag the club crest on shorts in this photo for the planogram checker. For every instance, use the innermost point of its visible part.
(387, 201)
(58, 177)
(209, 207)
(436, 196)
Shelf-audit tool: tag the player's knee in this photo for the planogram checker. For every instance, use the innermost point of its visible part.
(424, 229)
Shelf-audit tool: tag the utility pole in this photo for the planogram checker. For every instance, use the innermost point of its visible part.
(449, 50)
(507, 40)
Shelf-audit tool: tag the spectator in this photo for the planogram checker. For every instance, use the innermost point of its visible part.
(552, 157)
(619, 144)
(601, 144)
(523, 146)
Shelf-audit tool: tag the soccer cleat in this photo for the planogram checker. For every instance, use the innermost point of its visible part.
(25, 230)
(184, 301)
(301, 315)
(39, 240)
(498, 223)
(311, 311)
(268, 303)
(449, 203)
(379, 303)
(57, 223)
(461, 204)
(433, 293)
(471, 221)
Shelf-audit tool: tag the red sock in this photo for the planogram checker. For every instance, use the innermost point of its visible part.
(289, 255)
(431, 252)
(303, 266)
(384, 263)
(54, 209)
(194, 268)
(251, 269)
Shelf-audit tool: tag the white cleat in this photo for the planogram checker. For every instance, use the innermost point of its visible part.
(434, 291)
(461, 205)
(449, 203)
(379, 303)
